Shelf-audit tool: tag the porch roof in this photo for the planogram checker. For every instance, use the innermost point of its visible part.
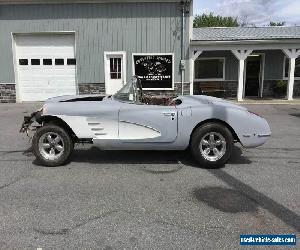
(245, 33)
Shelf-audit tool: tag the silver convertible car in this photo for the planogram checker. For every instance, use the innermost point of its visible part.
(131, 120)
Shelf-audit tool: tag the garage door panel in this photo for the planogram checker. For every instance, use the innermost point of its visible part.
(32, 83)
(41, 77)
(46, 40)
(57, 76)
(61, 72)
(44, 51)
(40, 82)
(61, 88)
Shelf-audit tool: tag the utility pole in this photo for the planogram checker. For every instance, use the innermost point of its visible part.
(183, 5)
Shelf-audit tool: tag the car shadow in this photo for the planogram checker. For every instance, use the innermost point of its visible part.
(225, 199)
(26, 152)
(296, 115)
(242, 198)
(97, 156)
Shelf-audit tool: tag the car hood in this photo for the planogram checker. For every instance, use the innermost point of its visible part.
(75, 98)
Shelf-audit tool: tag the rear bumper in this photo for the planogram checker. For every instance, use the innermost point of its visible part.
(255, 140)
(258, 132)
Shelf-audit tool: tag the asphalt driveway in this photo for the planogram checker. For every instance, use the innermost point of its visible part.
(148, 200)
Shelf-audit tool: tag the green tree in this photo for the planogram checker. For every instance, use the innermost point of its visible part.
(276, 23)
(211, 20)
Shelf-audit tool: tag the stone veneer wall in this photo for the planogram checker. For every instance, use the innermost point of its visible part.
(99, 88)
(91, 88)
(176, 91)
(297, 88)
(229, 86)
(7, 93)
(269, 85)
(268, 88)
(231, 89)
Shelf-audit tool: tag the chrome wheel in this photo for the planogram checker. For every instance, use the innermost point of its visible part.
(51, 146)
(212, 146)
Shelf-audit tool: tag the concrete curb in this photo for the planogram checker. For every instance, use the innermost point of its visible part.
(267, 102)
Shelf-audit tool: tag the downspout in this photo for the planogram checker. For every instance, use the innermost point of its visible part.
(182, 61)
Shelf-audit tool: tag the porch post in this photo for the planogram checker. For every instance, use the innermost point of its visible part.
(193, 56)
(292, 54)
(241, 55)
(241, 80)
(291, 82)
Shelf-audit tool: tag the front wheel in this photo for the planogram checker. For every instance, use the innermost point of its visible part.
(212, 144)
(52, 145)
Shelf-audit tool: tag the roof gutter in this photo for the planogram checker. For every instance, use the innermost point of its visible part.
(246, 42)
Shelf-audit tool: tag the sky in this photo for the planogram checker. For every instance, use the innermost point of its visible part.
(258, 12)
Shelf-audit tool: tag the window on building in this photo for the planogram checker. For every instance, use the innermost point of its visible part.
(59, 61)
(47, 61)
(35, 61)
(209, 69)
(115, 68)
(23, 61)
(71, 61)
(297, 67)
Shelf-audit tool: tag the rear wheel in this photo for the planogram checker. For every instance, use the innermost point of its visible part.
(212, 144)
(52, 145)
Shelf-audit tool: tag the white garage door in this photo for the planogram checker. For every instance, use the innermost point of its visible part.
(46, 66)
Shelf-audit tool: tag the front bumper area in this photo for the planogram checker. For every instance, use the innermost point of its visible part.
(29, 120)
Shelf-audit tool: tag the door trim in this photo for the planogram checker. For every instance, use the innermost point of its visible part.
(261, 74)
(107, 68)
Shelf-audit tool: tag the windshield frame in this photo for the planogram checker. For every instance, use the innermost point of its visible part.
(131, 92)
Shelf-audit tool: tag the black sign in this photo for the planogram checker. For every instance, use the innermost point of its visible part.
(155, 71)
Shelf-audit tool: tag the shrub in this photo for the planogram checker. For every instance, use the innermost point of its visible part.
(280, 88)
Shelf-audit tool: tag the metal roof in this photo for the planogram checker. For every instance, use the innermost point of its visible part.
(245, 33)
(77, 1)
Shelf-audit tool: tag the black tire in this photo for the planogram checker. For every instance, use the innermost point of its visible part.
(66, 142)
(200, 133)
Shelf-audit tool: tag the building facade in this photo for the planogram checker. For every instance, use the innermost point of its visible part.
(247, 62)
(51, 48)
